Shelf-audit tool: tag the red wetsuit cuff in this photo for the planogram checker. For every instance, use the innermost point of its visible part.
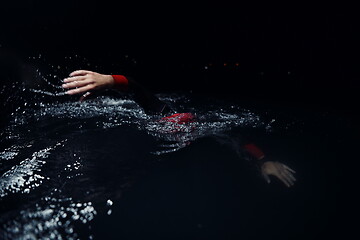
(254, 151)
(120, 82)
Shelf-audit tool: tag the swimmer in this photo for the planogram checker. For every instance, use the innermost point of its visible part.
(86, 82)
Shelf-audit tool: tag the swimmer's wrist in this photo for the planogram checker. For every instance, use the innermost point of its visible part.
(255, 151)
(109, 80)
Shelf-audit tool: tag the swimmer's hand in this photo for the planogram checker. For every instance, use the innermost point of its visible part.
(84, 82)
(279, 170)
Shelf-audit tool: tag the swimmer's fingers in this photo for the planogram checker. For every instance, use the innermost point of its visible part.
(290, 176)
(81, 89)
(285, 180)
(80, 73)
(291, 170)
(267, 178)
(280, 171)
(289, 180)
(288, 172)
(77, 83)
(286, 177)
(73, 79)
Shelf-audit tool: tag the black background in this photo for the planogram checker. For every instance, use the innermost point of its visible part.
(285, 53)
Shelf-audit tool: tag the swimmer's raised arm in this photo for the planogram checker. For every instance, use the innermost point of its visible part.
(84, 82)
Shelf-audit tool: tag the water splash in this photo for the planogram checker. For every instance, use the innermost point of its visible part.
(26, 176)
(48, 93)
(177, 136)
(52, 217)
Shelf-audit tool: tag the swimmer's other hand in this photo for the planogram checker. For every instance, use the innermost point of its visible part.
(279, 170)
(83, 81)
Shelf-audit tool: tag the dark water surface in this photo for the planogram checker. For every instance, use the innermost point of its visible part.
(103, 169)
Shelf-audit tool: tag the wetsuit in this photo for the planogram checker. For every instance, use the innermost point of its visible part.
(151, 104)
(147, 100)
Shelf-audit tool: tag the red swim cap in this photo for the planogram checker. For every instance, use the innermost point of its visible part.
(180, 118)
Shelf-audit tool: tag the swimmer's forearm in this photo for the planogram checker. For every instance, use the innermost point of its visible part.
(85, 82)
(146, 99)
(236, 141)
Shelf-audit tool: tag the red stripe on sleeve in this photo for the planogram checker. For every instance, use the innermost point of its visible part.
(254, 151)
(121, 82)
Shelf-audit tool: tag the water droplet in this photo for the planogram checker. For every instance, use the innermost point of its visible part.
(109, 202)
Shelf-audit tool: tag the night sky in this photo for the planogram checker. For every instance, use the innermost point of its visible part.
(303, 54)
